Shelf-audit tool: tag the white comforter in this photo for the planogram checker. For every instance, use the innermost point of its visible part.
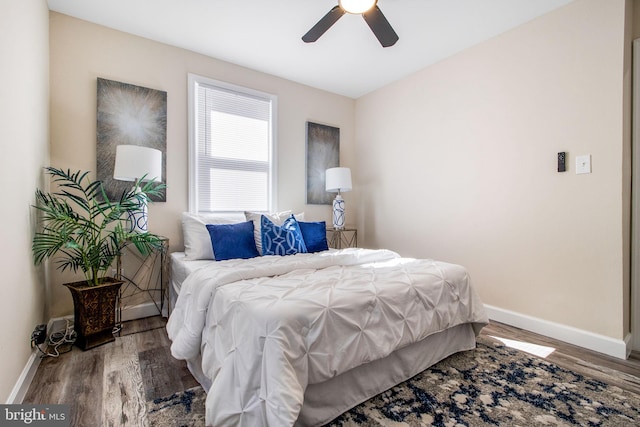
(269, 326)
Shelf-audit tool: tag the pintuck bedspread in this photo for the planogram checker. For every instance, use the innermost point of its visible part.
(268, 327)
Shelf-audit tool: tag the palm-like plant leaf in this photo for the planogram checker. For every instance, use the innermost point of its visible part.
(84, 228)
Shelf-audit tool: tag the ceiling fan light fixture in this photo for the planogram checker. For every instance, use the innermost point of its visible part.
(357, 6)
(369, 11)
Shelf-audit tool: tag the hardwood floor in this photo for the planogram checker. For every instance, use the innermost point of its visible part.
(622, 373)
(109, 385)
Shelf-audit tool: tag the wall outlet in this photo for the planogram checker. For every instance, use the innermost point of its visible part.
(39, 334)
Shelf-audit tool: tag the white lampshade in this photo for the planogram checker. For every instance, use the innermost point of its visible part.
(357, 6)
(338, 180)
(133, 162)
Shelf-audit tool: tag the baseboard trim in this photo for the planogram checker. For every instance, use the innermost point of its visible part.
(58, 324)
(139, 311)
(24, 380)
(589, 340)
(628, 342)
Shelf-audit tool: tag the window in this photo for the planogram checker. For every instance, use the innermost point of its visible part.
(231, 147)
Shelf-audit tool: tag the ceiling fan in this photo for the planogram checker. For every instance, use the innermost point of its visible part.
(370, 12)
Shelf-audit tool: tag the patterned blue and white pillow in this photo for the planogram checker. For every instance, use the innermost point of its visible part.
(281, 240)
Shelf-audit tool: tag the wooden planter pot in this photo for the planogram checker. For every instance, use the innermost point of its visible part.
(94, 311)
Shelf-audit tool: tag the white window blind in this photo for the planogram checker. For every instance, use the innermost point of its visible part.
(232, 157)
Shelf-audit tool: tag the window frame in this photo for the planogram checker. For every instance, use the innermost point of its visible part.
(194, 81)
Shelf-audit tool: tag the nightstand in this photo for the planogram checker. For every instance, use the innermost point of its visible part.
(144, 292)
(342, 238)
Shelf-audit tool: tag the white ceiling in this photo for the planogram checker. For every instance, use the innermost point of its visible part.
(265, 35)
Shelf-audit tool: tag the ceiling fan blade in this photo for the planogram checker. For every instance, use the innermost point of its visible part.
(380, 27)
(323, 25)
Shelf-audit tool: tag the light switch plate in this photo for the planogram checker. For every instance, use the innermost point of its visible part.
(583, 164)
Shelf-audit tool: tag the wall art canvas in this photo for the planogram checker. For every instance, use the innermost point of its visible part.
(128, 115)
(323, 152)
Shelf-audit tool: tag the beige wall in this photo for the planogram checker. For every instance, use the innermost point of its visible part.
(81, 52)
(458, 163)
(24, 115)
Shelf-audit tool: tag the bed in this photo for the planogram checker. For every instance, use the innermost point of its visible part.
(298, 340)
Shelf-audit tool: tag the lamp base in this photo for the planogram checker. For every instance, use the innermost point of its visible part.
(138, 219)
(338, 212)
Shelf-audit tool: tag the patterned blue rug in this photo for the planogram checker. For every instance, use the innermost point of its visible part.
(183, 409)
(492, 385)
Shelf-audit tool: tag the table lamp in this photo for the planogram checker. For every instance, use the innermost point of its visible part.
(337, 180)
(136, 163)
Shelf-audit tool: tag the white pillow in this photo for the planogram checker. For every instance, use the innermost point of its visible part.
(278, 218)
(197, 241)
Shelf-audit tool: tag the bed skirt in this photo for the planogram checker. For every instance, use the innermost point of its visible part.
(325, 401)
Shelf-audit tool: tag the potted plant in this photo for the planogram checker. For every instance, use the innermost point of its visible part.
(86, 231)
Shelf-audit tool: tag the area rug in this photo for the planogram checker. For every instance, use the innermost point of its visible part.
(492, 385)
(185, 408)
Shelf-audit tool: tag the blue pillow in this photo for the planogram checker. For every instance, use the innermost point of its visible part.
(232, 241)
(281, 240)
(314, 235)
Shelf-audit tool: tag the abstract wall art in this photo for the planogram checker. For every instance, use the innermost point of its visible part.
(128, 115)
(323, 152)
